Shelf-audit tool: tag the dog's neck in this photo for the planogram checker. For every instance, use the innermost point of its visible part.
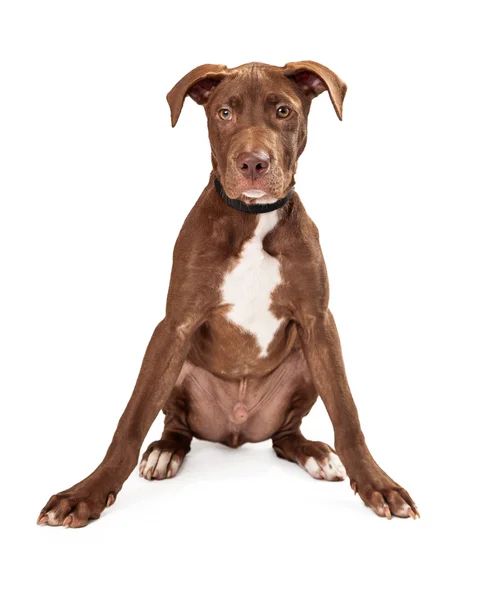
(257, 208)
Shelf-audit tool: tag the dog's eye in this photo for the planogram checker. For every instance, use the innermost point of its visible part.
(282, 112)
(225, 114)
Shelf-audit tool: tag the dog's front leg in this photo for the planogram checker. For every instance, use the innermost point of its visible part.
(322, 350)
(161, 366)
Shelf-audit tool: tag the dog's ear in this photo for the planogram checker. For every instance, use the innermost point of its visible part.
(198, 84)
(313, 79)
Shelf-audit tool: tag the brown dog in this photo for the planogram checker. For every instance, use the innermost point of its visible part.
(248, 341)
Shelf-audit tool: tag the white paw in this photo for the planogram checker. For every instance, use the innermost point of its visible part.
(160, 465)
(329, 467)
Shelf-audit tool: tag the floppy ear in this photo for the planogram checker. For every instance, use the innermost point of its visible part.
(198, 83)
(313, 79)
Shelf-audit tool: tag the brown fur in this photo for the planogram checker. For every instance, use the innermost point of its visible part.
(204, 371)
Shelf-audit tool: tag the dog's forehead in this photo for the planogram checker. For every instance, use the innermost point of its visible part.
(253, 69)
(252, 79)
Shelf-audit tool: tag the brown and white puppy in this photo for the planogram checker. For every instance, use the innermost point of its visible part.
(248, 341)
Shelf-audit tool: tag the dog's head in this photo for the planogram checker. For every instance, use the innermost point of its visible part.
(257, 120)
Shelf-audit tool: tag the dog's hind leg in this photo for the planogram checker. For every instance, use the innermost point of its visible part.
(163, 458)
(317, 458)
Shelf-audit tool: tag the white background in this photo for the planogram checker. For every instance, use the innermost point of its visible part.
(94, 188)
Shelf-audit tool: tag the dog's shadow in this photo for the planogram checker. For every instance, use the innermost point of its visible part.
(255, 463)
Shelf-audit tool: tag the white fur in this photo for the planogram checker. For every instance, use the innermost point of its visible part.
(162, 464)
(313, 468)
(337, 467)
(151, 462)
(248, 287)
(331, 469)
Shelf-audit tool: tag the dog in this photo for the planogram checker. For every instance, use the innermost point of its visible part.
(248, 341)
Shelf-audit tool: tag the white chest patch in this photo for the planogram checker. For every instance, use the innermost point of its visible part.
(248, 287)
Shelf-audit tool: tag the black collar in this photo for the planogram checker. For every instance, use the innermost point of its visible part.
(251, 208)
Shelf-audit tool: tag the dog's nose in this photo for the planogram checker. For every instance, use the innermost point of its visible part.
(253, 165)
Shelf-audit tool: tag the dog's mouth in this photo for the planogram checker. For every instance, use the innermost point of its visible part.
(252, 192)
(257, 196)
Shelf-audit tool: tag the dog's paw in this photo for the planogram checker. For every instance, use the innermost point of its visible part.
(162, 459)
(325, 465)
(386, 498)
(75, 507)
(317, 458)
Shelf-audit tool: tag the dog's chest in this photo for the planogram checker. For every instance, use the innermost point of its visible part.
(249, 285)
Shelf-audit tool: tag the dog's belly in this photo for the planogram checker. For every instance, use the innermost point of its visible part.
(249, 409)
